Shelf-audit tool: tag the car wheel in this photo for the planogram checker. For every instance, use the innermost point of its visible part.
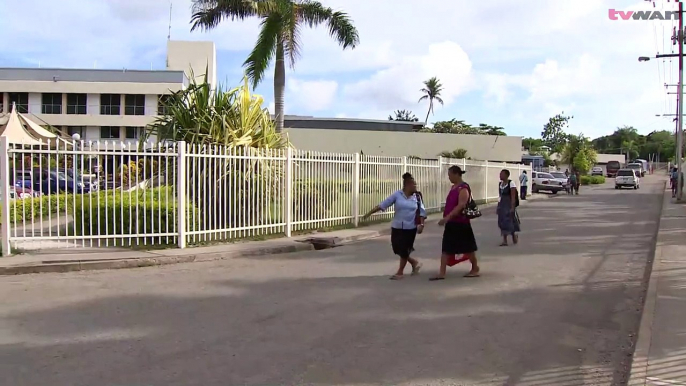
(554, 191)
(616, 187)
(635, 187)
(534, 189)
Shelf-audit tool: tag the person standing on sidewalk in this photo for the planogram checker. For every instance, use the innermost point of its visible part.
(524, 184)
(508, 220)
(458, 235)
(408, 220)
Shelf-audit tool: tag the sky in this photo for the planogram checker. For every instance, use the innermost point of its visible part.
(508, 63)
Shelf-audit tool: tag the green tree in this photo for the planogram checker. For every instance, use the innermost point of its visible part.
(432, 92)
(279, 37)
(584, 160)
(533, 145)
(554, 135)
(579, 153)
(452, 126)
(457, 153)
(491, 130)
(630, 148)
(403, 116)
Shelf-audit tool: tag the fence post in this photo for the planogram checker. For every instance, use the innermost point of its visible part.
(356, 189)
(181, 192)
(404, 165)
(439, 185)
(5, 196)
(486, 182)
(288, 196)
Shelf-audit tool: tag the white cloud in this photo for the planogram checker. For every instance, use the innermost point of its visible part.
(315, 95)
(399, 84)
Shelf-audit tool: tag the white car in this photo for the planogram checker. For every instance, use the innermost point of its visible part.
(627, 178)
(546, 182)
(597, 171)
(637, 167)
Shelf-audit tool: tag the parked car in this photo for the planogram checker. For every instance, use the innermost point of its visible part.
(541, 181)
(561, 177)
(627, 178)
(637, 167)
(597, 171)
(612, 168)
(58, 181)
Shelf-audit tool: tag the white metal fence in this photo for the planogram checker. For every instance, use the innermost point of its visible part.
(103, 194)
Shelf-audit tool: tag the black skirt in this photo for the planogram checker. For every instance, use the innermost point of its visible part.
(458, 238)
(402, 241)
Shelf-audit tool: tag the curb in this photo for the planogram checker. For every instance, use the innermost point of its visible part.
(639, 364)
(299, 245)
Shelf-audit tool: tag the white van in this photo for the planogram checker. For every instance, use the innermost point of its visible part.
(644, 164)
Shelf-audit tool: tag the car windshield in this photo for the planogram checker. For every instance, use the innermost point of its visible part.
(633, 166)
(625, 173)
(545, 175)
(613, 164)
(559, 175)
(597, 168)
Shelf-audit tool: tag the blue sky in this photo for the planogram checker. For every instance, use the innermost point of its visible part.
(508, 63)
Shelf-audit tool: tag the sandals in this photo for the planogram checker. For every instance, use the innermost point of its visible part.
(474, 273)
(397, 277)
(436, 278)
(503, 245)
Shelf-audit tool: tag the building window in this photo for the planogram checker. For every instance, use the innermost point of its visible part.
(80, 130)
(51, 103)
(2, 95)
(109, 132)
(133, 132)
(162, 102)
(22, 101)
(76, 104)
(110, 104)
(135, 105)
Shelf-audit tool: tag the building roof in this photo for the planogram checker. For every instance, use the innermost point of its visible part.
(92, 75)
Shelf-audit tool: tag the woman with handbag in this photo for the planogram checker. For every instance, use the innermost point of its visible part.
(508, 219)
(458, 236)
(408, 220)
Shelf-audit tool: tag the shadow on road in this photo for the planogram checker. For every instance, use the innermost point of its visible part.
(561, 308)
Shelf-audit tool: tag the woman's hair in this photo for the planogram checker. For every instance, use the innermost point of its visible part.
(407, 177)
(507, 172)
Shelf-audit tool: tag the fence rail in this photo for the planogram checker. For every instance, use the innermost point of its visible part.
(62, 194)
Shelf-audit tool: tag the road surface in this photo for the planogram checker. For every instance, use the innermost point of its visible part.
(561, 308)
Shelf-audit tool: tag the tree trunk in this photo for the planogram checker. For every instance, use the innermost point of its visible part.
(426, 121)
(279, 86)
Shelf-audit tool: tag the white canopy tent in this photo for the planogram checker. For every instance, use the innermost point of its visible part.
(20, 130)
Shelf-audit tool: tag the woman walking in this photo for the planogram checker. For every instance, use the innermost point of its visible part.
(408, 220)
(458, 236)
(508, 220)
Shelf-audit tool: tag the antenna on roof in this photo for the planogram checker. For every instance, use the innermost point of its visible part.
(170, 20)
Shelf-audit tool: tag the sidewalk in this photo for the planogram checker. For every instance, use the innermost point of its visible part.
(660, 356)
(73, 259)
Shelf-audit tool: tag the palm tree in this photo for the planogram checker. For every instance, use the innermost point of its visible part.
(403, 116)
(432, 92)
(279, 36)
(491, 130)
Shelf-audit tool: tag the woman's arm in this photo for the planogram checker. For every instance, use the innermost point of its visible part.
(513, 197)
(385, 204)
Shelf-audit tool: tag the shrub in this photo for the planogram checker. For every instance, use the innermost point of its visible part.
(141, 211)
(32, 209)
(592, 180)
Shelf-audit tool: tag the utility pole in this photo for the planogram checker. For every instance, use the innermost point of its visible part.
(680, 132)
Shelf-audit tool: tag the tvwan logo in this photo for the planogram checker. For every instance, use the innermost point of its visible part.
(643, 15)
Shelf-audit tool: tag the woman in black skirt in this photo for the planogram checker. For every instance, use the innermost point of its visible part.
(458, 236)
(408, 220)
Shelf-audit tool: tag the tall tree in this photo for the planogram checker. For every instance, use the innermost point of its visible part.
(432, 92)
(403, 116)
(279, 37)
(452, 126)
(491, 130)
(554, 135)
(578, 152)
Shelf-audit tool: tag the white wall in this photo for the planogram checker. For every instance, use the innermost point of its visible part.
(198, 56)
(398, 144)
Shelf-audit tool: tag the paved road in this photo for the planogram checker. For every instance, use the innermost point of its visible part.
(562, 308)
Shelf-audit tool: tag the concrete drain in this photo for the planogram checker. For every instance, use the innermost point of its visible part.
(320, 243)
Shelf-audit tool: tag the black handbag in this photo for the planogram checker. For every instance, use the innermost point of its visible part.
(471, 211)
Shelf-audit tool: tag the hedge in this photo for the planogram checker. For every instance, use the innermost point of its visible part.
(592, 180)
(33, 209)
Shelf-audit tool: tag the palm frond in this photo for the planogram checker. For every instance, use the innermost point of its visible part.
(291, 32)
(340, 25)
(439, 99)
(258, 61)
(423, 98)
(207, 14)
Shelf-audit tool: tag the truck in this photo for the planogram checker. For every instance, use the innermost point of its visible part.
(612, 168)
